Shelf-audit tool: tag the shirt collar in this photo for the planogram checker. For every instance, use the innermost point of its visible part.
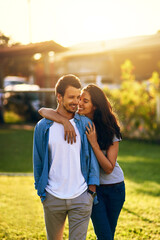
(77, 116)
(48, 121)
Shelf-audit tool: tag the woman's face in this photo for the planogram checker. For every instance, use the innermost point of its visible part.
(85, 106)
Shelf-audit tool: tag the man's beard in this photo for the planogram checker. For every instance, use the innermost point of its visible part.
(68, 110)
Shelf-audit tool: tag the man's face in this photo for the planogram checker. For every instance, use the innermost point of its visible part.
(69, 102)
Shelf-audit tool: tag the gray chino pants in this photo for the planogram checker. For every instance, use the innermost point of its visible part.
(78, 211)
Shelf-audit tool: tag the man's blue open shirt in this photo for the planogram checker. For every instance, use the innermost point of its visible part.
(41, 166)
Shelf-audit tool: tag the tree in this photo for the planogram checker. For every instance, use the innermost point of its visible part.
(14, 65)
(154, 88)
(4, 40)
(127, 69)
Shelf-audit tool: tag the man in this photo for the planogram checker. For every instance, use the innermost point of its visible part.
(65, 174)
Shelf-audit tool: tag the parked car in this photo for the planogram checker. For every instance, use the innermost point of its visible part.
(21, 99)
(13, 80)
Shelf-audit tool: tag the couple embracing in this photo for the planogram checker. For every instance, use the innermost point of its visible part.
(75, 162)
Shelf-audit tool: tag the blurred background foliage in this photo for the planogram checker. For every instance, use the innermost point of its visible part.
(136, 104)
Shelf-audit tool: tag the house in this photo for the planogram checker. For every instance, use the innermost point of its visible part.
(101, 61)
(24, 64)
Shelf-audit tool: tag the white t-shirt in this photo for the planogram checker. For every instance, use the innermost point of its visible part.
(115, 176)
(65, 179)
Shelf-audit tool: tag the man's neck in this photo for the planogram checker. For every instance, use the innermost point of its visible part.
(65, 114)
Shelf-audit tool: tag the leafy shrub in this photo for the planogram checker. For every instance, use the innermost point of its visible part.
(135, 104)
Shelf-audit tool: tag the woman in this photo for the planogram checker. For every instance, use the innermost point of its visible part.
(104, 137)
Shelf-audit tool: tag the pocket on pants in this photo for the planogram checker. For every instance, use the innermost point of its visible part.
(85, 198)
(48, 200)
(120, 190)
(90, 196)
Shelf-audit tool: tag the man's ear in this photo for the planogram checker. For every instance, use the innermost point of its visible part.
(59, 97)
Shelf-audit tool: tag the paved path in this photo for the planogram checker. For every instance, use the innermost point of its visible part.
(15, 174)
(18, 126)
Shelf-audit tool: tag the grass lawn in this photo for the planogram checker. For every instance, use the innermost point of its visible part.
(21, 213)
(16, 150)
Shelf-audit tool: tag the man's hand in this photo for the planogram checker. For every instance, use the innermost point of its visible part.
(92, 188)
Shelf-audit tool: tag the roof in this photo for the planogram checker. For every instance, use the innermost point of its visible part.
(114, 45)
(99, 47)
(31, 49)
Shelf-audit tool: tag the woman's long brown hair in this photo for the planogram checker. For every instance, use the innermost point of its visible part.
(104, 118)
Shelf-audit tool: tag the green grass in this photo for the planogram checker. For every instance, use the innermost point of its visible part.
(16, 150)
(21, 213)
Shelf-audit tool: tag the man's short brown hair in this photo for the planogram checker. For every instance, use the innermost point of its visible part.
(66, 81)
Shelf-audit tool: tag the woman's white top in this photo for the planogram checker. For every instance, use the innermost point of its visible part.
(115, 176)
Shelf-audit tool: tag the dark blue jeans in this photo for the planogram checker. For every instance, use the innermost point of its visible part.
(106, 212)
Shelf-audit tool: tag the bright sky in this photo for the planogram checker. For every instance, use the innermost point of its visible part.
(68, 22)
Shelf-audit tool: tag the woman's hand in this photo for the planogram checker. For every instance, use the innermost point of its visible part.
(106, 162)
(69, 132)
(92, 135)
